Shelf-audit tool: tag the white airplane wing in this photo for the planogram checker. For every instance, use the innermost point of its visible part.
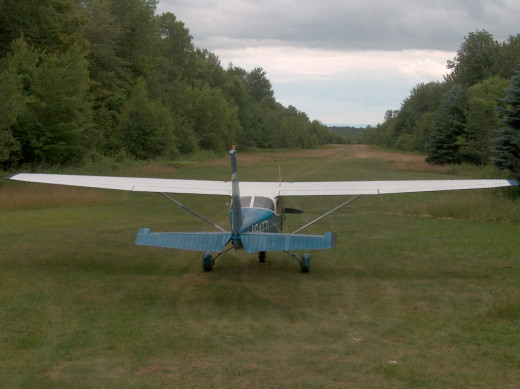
(267, 189)
(134, 184)
(336, 188)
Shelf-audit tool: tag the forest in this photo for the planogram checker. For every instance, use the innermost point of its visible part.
(89, 79)
(86, 80)
(472, 116)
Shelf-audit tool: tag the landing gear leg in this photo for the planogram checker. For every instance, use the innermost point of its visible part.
(261, 256)
(208, 260)
(304, 262)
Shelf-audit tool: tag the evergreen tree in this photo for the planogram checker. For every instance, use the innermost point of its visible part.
(449, 125)
(506, 150)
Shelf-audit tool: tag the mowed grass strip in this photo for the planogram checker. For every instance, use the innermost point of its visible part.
(419, 292)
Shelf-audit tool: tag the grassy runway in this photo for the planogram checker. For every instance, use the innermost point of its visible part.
(423, 290)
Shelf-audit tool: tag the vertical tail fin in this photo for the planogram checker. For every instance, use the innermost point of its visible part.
(236, 211)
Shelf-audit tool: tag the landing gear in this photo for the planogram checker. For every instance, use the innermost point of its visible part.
(305, 263)
(207, 262)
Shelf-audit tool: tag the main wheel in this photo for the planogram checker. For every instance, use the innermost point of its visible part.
(305, 263)
(207, 262)
(261, 256)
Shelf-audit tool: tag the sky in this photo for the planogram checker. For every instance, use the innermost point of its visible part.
(342, 62)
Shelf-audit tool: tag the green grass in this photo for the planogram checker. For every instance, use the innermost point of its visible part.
(422, 291)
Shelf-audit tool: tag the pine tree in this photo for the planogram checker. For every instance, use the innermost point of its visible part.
(449, 125)
(506, 151)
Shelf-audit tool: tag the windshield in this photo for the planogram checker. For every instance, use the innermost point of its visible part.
(263, 202)
(245, 202)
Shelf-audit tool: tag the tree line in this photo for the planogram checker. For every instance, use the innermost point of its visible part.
(88, 78)
(472, 116)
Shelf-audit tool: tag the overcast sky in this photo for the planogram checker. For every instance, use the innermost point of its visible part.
(342, 61)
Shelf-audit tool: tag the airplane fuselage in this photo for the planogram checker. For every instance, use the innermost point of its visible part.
(259, 214)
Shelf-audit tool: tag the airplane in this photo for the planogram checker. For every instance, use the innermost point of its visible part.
(256, 210)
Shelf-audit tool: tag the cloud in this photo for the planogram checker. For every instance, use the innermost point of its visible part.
(294, 62)
(337, 59)
(344, 25)
(300, 76)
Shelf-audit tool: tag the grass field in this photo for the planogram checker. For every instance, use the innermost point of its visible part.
(423, 290)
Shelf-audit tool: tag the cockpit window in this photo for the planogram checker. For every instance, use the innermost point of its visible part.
(263, 202)
(245, 202)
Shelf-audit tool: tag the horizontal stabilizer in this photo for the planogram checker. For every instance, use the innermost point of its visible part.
(197, 241)
(255, 241)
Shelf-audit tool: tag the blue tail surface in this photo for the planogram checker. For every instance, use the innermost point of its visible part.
(255, 242)
(196, 241)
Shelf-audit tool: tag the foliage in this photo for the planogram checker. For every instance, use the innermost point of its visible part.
(482, 120)
(53, 111)
(111, 78)
(49, 25)
(475, 59)
(146, 126)
(448, 126)
(458, 120)
(348, 134)
(507, 144)
(211, 117)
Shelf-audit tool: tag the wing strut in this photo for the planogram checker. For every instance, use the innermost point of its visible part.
(193, 212)
(326, 214)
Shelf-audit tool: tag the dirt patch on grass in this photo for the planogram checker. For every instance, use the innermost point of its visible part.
(395, 160)
(247, 159)
(398, 161)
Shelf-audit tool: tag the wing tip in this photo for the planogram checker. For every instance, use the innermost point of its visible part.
(512, 182)
(11, 176)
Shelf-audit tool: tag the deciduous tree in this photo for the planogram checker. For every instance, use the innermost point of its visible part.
(146, 126)
(475, 59)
